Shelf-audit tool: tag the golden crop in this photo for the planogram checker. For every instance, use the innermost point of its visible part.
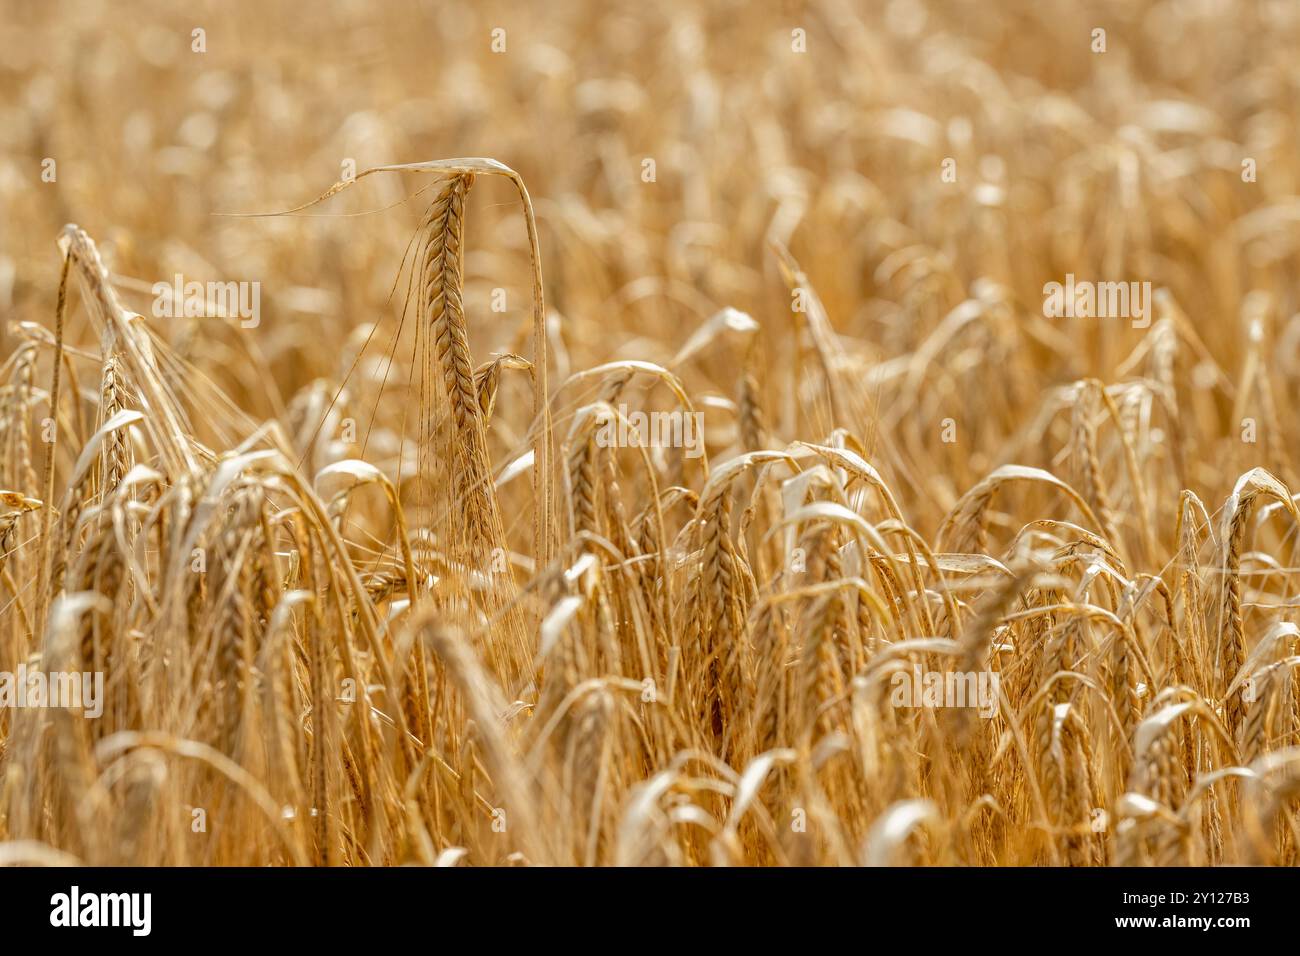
(800, 433)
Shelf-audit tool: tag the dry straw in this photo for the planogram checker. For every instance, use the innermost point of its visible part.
(368, 584)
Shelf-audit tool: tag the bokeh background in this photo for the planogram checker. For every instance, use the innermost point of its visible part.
(1122, 165)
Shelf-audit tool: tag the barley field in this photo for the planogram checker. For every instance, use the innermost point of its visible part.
(598, 433)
